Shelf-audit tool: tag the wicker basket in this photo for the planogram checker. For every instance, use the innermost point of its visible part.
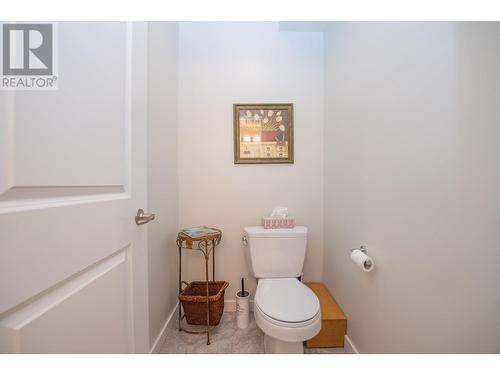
(194, 302)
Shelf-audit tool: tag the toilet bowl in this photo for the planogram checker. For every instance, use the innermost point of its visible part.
(287, 312)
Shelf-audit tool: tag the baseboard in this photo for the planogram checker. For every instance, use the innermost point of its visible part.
(230, 305)
(349, 346)
(163, 333)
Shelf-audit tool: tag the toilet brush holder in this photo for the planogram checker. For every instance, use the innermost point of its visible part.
(242, 309)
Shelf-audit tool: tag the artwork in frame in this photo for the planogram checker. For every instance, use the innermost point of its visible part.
(263, 133)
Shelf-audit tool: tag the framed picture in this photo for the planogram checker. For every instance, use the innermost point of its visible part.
(263, 133)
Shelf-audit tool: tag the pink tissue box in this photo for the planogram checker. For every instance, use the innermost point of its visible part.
(271, 223)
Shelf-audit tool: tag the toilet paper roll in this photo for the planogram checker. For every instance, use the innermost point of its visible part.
(362, 260)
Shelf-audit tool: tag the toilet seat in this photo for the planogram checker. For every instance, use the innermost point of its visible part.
(287, 310)
(286, 300)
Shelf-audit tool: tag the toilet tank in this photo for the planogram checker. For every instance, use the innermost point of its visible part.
(274, 253)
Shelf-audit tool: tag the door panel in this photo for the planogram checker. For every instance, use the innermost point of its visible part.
(47, 245)
(75, 136)
(54, 311)
(6, 140)
(73, 264)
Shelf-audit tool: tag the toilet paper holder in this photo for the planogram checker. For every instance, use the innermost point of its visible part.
(362, 248)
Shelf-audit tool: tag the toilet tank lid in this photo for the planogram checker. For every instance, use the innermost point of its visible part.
(259, 231)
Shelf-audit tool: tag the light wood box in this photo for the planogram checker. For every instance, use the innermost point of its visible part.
(333, 320)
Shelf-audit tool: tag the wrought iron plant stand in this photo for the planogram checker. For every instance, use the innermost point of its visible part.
(206, 245)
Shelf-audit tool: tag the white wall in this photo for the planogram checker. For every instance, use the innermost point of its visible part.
(225, 63)
(162, 173)
(412, 170)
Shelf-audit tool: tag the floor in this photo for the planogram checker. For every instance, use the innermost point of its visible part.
(226, 339)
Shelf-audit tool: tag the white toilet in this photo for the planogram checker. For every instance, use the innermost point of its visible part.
(285, 309)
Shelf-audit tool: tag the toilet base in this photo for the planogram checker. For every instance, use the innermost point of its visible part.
(275, 346)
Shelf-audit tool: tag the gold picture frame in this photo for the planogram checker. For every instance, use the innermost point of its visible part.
(263, 133)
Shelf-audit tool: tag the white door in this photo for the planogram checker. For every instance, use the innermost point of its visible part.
(73, 263)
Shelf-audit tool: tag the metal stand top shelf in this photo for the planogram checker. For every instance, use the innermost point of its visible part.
(187, 242)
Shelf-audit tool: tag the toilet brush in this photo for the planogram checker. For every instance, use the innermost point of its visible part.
(242, 306)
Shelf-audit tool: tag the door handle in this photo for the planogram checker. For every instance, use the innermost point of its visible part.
(142, 218)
